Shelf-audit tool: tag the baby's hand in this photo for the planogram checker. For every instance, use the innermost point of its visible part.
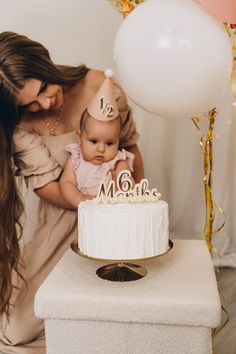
(83, 197)
(87, 197)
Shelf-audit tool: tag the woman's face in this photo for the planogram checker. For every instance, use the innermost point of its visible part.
(36, 95)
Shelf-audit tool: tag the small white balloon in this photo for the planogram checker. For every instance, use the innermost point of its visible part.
(172, 58)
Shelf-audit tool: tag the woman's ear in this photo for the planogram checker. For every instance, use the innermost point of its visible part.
(78, 132)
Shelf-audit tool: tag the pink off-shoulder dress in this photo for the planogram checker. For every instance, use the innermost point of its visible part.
(89, 175)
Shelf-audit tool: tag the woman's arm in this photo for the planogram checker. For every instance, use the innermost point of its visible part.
(64, 193)
(51, 193)
(68, 186)
(138, 173)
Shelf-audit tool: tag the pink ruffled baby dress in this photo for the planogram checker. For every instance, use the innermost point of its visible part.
(88, 175)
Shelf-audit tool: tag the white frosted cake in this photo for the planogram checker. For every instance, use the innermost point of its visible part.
(123, 230)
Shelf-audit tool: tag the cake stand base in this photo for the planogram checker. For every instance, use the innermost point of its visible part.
(121, 272)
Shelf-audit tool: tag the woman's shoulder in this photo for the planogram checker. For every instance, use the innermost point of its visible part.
(94, 79)
(28, 119)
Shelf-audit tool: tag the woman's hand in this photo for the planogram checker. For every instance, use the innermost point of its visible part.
(121, 166)
(138, 173)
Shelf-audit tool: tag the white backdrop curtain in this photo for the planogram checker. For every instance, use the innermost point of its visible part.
(83, 31)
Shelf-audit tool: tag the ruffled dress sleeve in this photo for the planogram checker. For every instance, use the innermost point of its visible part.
(123, 155)
(75, 152)
(33, 159)
(129, 135)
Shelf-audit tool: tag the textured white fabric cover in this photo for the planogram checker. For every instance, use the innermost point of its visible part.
(171, 310)
(92, 337)
(180, 288)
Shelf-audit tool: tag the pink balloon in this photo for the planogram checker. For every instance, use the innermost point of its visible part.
(222, 10)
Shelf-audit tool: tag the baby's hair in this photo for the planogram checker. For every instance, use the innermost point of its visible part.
(86, 114)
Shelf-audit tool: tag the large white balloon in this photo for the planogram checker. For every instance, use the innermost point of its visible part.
(172, 58)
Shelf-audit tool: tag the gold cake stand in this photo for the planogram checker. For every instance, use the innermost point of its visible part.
(119, 270)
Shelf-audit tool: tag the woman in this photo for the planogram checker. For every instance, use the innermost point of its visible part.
(40, 108)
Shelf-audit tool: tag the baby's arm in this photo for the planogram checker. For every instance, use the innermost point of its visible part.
(68, 187)
(120, 166)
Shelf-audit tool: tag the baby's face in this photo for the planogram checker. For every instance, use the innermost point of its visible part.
(100, 140)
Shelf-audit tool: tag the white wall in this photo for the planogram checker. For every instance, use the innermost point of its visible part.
(74, 31)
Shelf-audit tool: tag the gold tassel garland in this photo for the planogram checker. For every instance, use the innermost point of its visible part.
(206, 144)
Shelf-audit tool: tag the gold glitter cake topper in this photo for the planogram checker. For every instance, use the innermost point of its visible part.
(125, 193)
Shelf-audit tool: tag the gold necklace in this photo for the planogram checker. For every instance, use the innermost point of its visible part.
(52, 127)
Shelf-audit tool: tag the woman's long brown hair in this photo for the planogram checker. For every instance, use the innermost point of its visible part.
(21, 59)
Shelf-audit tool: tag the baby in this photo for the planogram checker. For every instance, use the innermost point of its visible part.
(97, 157)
